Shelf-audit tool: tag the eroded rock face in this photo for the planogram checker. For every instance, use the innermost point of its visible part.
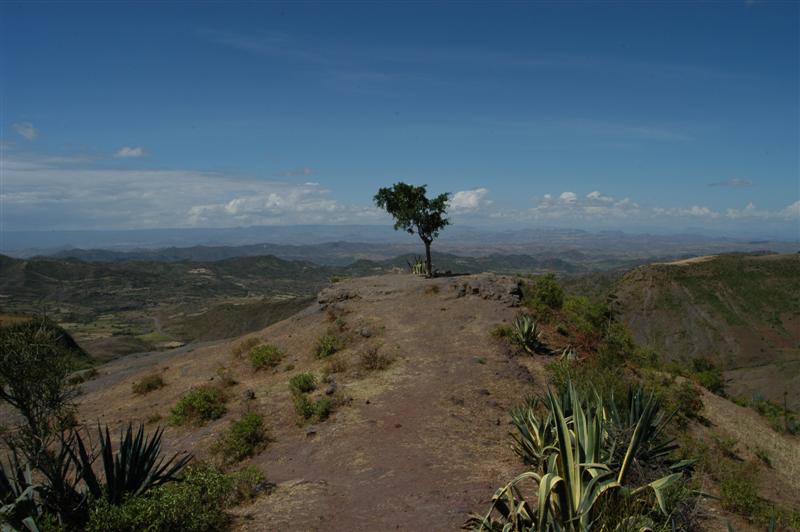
(335, 294)
(489, 286)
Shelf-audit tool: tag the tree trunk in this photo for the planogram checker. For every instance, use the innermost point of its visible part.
(428, 264)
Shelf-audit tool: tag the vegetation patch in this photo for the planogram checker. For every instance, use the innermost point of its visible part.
(265, 356)
(197, 503)
(244, 438)
(199, 406)
(327, 344)
(303, 383)
(148, 383)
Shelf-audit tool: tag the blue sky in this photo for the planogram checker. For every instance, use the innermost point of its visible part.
(634, 116)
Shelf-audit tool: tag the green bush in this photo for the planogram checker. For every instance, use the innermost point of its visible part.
(199, 406)
(244, 437)
(265, 356)
(303, 406)
(327, 345)
(302, 383)
(323, 408)
(148, 384)
(196, 504)
(738, 490)
(586, 316)
(708, 375)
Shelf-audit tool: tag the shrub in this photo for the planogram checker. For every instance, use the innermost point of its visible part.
(738, 490)
(265, 356)
(372, 360)
(302, 383)
(199, 406)
(708, 375)
(244, 346)
(318, 410)
(196, 504)
(303, 406)
(586, 316)
(327, 345)
(323, 408)
(244, 437)
(148, 384)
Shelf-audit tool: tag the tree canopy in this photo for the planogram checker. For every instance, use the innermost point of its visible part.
(414, 212)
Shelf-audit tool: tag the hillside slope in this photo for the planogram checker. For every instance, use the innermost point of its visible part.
(416, 445)
(742, 311)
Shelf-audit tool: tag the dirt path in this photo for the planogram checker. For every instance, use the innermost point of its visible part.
(423, 445)
(417, 446)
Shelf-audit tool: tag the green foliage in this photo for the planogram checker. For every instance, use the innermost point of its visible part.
(526, 334)
(36, 360)
(586, 316)
(147, 384)
(199, 406)
(302, 383)
(68, 483)
(244, 437)
(780, 418)
(591, 465)
(265, 356)
(738, 490)
(327, 344)
(543, 296)
(195, 504)
(708, 375)
(134, 469)
(414, 212)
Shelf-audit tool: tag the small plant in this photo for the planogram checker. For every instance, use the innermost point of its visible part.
(244, 437)
(762, 455)
(372, 360)
(199, 406)
(323, 408)
(148, 384)
(303, 406)
(526, 334)
(303, 383)
(244, 346)
(265, 356)
(327, 345)
(502, 331)
(432, 290)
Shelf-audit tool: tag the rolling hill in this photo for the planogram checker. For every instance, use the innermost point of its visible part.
(741, 311)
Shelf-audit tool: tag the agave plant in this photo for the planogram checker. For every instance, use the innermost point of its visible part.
(135, 468)
(418, 266)
(576, 473)
(20, 504)
(525, 333)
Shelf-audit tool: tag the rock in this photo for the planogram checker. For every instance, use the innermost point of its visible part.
(484, 391)
(490, 286)
(311, 432)
(331, 389)
(249, 394)
(366, 332)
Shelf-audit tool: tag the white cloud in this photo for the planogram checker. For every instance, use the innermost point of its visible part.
(126, 152)
(41, 194)
(26, 130)
(469, 200)
(568, 197)
(792, 210)
(736, 182)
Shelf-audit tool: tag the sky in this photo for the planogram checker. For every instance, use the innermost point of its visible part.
(646, 116)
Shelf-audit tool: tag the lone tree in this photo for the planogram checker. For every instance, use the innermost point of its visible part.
(414, 212)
